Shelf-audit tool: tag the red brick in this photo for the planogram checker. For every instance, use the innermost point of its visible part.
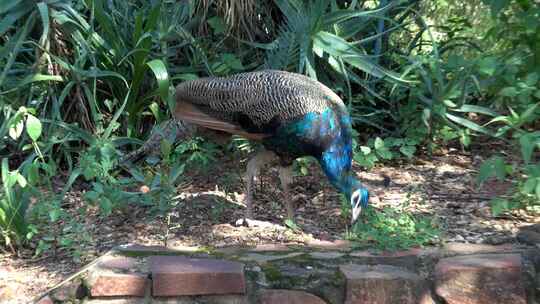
(178, 276)
(340, 245)
(391, 254)
(118, 263)
(271, 247)
(384, 284)
(282, 296)
(481, 279)
(462, 248)
(112, 284)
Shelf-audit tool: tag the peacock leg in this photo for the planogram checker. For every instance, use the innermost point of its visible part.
(286, 178)
(253, 169)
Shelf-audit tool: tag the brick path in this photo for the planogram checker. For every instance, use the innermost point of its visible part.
(456, 273)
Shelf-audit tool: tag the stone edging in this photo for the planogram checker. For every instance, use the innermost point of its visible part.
(333, 273)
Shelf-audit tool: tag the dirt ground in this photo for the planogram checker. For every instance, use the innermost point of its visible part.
(209, 205)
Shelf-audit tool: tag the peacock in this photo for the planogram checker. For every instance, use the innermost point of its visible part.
(292, 116)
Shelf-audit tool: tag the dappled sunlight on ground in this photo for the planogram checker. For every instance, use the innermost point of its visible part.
(209, 205)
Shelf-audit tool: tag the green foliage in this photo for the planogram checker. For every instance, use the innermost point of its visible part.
(384, 150)
(14, 201)
(393, 229)
(197, 152)
(318, 38)
(526, 192)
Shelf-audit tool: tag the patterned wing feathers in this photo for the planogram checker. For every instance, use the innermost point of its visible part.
(190, 113)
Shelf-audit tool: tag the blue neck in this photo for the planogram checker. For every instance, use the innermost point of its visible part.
(337, 159)
(337, 169)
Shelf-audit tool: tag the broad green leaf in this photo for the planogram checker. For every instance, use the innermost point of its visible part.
(531, 79)
(136, 174)
(105, 206)
(232, 61)
(468, 124)
(528, 143)
(385, 153)
(44, 13)
(5, 170)
(154, 108)
(137, 32)
(291, 224)
(91, 196)
(494, 166)
(426, 117)
(509, 92)
(96, 73)
(488, 65)
(340, 48)
(72, 178)
(66, 242)
(366, 150)
(408, 150)
(21, 180)
(33, 127)
(467, 108)
(499, 167)
(162, 76)
(33, 173)
(379, 143)
(11, 179)
(499, 206)
(153, 18)
(485, 172)
(530, 185)
(449, 103)
(528, 113)
(39, 77)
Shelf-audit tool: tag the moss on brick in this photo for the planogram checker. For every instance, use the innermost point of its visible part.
(272, 273)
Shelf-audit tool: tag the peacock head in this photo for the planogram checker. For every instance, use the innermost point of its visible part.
(358, 198)
(337, 168)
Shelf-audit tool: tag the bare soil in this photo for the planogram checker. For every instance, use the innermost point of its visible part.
(211, 202)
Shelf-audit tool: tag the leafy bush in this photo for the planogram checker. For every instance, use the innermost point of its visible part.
(515, 87)
(14, 201)
(394, 229)
(384, 149)
(526, 173)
